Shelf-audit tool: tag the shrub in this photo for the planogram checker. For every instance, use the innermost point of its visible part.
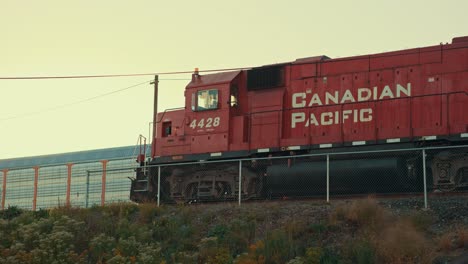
(210, 252)
(279, 248)
(328, 257)
(128, 247)
(402, 243)
(41, 213)
(313, 254)
(318, 228)
(102, 247)
(361, 252)
(11, 212)
(365, 213)
(148, 211)
(150, 254)
(240, 235)
(218, 231)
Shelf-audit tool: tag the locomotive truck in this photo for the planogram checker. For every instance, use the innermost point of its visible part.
(394, 100)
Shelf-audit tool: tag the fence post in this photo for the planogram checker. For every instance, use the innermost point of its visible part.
(424, 177)
(240, 181)
(328, 178)
(103, 181)
(36, 179)
(69, 174)
(87, 189)
(4, 183)
(159, 185)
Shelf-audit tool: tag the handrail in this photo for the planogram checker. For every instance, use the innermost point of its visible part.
(169, 110)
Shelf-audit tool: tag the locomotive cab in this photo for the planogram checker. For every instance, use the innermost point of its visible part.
(212, 121)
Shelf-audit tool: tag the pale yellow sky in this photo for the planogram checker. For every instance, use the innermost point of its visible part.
(56, 37)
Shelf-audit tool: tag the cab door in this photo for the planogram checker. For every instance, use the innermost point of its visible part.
(207, 123)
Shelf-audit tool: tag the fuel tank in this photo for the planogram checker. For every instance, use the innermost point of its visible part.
(346, 176)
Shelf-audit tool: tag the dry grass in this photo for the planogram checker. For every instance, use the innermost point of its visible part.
(403, 243)
(363, 213)
(445, 242)
(394, 241)
(462, 237)
(148, 211)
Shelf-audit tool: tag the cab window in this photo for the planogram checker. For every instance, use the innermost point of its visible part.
(207, 100)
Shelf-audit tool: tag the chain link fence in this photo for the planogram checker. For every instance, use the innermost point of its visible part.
(325, 176)
(322, 176)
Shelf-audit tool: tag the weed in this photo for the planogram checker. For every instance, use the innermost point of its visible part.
(462, 235)
(241, 234)
(279, 248)
(41, 213)
(313, 254)
(362, 252)
(318, 228)
(218, 231)
(445, 242)
(210, 252)
(402, 243)
(421, 220)
(295, 229)
(148, 211)
(366, 212)
(338, 214)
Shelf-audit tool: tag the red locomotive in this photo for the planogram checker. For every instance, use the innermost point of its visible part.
(399, 99)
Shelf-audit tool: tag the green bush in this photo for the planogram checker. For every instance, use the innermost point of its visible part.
(279, 248)
(362, 252)
(11, 212)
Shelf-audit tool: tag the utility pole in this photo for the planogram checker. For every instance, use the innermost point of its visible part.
(155, 110)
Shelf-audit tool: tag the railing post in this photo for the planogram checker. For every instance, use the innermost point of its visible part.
(424, 177)
(87, 189)
(240, 181)
(159, 185)
(328, 178)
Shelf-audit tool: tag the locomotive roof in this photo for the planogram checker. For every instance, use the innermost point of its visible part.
(214, 78)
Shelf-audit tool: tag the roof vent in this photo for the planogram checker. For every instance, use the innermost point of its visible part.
(265, 77)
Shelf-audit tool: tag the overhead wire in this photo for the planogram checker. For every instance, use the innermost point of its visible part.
(112, 75)
(100, 76)
(81, 101)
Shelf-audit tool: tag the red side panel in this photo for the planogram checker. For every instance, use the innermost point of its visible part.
(176, 142)
(265, 118)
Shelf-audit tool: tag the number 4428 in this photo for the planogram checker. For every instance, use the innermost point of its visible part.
(202, 123)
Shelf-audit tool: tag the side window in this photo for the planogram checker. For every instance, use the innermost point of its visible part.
(206, 100)
(233, 97)
(167, 129)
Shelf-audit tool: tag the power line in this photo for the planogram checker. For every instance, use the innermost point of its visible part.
(74, 103)
(85, 100)
(112, 75)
